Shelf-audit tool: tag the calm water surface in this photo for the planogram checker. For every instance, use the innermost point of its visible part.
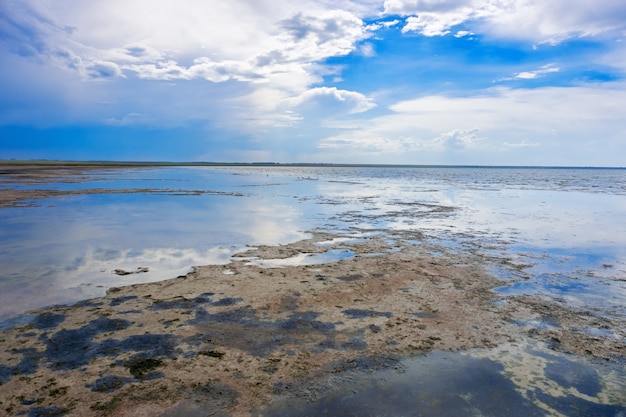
(562, 232)
(514, 380)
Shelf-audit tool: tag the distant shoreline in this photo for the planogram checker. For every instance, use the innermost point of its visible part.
(134, 164)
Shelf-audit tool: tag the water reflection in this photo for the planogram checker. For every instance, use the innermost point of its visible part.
(67, 250)
(510, 380)
(332, 255)
(551, 221)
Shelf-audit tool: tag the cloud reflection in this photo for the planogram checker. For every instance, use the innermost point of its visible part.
(68, 252)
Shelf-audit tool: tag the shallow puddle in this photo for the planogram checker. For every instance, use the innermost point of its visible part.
(508, 381)
(305, 259)
(582, 278)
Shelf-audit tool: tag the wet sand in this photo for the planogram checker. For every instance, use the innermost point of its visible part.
(232, 339)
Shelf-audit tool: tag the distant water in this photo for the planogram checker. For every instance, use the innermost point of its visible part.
(557, 232)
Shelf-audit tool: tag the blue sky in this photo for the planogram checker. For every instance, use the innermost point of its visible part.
(491, 82)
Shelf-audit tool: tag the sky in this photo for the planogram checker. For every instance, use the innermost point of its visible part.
(471, 82)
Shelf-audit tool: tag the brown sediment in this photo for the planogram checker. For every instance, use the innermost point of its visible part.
(229, 338)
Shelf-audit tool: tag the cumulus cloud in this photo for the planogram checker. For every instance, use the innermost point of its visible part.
(256, 65)
(321, 28)
(501, 120)
(433, 24)
(354, 101)
(438, 17)
(390, 23)
(159, 43)
(201, 68)
(550, 21)
(273, 50)
(183, 41)
(312, 37)
(458, 139)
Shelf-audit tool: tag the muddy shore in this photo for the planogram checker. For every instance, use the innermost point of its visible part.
(233, 338)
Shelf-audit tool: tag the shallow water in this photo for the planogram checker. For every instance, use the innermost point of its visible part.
(510, 381)
(555, 232)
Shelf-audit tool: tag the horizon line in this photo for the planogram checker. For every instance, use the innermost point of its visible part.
(125, 163)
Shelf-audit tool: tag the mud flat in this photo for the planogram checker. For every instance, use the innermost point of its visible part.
(231, 339)
(353, 322)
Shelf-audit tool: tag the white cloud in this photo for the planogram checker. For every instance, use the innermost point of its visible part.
(256, 65)
(462, 33)
(375, 141)
(356, 102)
(433, 24)
(553, 21)
(438, 17)
(312, 37)
(526, 75)
(501, 121)
(390, 23)
(549, 21)
(241, 39)
(531, 75)
(407, 7)
(458, 139)
(267, 54)
(367, 49)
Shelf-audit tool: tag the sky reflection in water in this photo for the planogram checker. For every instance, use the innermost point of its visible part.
(558, 224)
(509, 380)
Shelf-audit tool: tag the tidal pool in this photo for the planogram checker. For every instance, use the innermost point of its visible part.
(508, 381)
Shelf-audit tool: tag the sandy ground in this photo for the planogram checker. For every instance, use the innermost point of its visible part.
(233, 338)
